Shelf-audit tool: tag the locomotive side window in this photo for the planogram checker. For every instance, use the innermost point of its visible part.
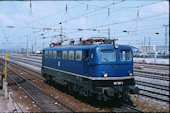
(125, 55)
(54, 54)
(64, 54)
(78, 55)
(108, 55)
(50, 54)
(71, 55)
(59, 54)
(86, 54)
(46, 54)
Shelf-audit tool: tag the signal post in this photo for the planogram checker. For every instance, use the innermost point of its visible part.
(5, 84)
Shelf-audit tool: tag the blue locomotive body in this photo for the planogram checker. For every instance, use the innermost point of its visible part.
(104, 70)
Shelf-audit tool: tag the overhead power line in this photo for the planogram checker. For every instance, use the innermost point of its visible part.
(88, 13)
(58, 12)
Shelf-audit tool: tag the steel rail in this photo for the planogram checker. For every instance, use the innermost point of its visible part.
(129, 106)
(39, 90)
(124, 108)
(28, 62)
(164, 100)
(151, 76)
(151, 67)
(153, 92)
(25, 70)
(154, 73)
(29, 57)
(152, 85)
(16, 103)
(27, 93)
(36, 61)
(152, 64)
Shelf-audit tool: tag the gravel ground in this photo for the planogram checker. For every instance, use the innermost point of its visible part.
(149, 105)
(23, 100)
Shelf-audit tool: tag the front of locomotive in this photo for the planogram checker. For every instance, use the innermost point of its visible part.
(114, 72)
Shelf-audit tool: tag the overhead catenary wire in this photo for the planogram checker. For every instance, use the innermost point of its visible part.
(121, 22)
(118, 31)
(20, 15)
(99, 26)
(61, 11)
(88, 13)
(106, 6)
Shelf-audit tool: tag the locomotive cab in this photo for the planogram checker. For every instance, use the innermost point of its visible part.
(113, 67)
(108, 61)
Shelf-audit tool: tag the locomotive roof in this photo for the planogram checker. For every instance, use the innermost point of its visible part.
(87, 47)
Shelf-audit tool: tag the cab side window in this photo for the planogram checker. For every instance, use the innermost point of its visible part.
(125, 55)
(86, 55)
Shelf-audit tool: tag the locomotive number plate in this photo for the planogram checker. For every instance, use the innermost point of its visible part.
(118, 83)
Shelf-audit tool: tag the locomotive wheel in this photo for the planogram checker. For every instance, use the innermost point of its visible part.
(44, 76)
(86, 92)
(127, 99)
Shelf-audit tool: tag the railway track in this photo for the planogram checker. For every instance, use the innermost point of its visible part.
(27, 70)
(124, 108)
(27, 61)
(146, 84)
(27, 57)
(142, 83)
(152, 85)
(42, 98)
(20, 83)
(154, 73)
(152, 64)
(146, 94)
(152, 76)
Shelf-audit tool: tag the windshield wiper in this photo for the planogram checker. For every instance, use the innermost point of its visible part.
(106, 59)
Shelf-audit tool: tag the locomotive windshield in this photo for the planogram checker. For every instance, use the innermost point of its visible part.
(125, 55)
(108, 55)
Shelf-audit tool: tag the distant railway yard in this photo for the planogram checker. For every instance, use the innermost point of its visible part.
(30, 93)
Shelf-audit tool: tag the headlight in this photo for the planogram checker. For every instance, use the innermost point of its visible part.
(130, 74)
(116, 46)
(105, 74)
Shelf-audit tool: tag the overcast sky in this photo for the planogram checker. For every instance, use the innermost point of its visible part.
(139, 18)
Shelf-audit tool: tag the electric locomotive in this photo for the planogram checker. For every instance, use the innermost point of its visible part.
(92, 67)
